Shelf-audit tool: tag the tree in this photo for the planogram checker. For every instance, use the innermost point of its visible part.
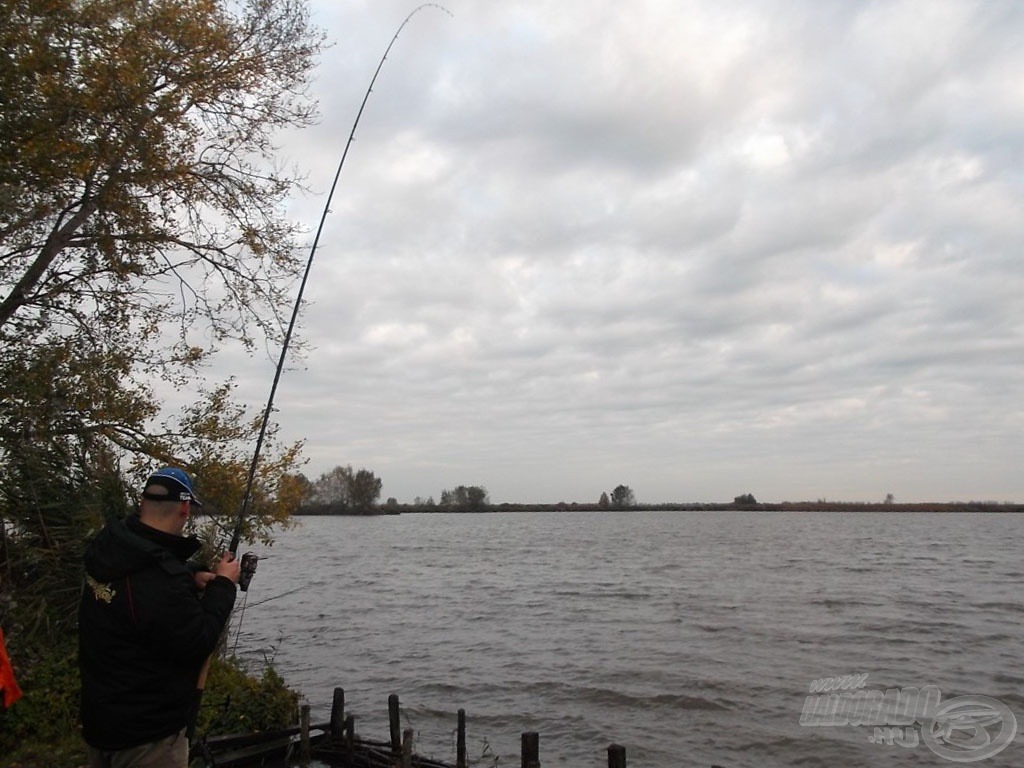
(62, 479)
(332, 487)
(622, 497)
(344, 490)
(301, 485)
(141, 209)
(136, 161)
(141, 226)
(139, 204)
(464, 498)
(746, 498)
(603, 502)
(364, 491)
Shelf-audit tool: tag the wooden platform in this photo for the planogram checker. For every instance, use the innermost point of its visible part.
(336, 744)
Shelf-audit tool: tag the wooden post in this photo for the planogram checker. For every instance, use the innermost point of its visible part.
(350, 735)
(460, 741)
(616, 756)
(338, 715)
(396, 726)
(407, 748)
(304, 750)
(531, 750)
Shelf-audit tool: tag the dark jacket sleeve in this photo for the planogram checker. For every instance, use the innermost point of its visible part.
(181, 623)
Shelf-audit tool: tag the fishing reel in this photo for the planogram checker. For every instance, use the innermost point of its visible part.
(249, 561)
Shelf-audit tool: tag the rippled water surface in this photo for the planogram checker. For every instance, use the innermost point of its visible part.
(690, 638)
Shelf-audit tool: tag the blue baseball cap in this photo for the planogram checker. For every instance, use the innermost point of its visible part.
(176, 482)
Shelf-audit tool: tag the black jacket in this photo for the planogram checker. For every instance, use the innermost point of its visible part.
(144, 633)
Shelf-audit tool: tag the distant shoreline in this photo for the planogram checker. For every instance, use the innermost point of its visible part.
(785, 506)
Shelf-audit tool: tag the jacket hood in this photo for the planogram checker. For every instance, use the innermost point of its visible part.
(127, 546)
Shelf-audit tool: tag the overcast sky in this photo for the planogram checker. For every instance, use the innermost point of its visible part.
(698, 248)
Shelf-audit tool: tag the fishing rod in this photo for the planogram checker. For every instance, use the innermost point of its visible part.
(249, 560)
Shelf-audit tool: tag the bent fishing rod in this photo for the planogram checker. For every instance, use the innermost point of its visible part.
(249, 560)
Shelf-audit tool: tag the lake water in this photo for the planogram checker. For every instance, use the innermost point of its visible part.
(690, 638)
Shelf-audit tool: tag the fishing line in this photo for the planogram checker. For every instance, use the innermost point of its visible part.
(278, 597)
(247, 498)
(245, 603)
(238, 626)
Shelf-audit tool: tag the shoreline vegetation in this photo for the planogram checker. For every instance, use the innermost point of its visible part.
(345, 491)
(391, 508)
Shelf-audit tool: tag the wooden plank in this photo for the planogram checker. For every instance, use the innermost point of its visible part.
(255, 754)
(231, 741)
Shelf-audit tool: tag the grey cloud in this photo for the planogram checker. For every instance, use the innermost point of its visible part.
(699, 249)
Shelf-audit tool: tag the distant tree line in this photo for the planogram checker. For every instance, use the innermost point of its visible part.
(345, 491)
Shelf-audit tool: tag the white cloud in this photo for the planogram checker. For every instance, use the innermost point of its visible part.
(699, 248)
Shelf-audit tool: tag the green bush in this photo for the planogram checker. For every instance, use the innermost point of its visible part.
(236, 701)
(42, 729)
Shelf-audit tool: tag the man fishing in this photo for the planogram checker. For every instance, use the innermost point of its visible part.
(147, 623)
